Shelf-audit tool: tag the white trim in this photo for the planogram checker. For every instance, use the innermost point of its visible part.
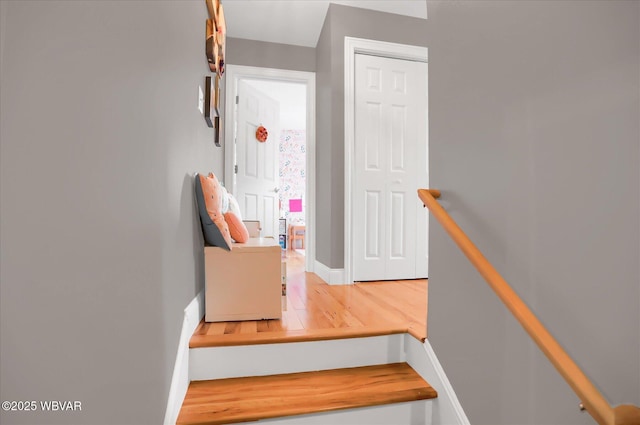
(446, 385)
(238, 72)
(378, 48)
(331, 276)
(422, 358)
(180, 380)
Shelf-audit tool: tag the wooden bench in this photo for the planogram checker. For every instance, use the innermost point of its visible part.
(244, 283)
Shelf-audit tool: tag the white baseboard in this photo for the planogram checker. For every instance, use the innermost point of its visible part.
(447, 408)
(180, 380)
(446, 386)
(331, 276)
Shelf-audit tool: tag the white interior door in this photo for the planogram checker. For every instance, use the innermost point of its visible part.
(257, 166)
(390, 154)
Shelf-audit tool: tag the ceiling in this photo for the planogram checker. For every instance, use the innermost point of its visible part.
(299, 22)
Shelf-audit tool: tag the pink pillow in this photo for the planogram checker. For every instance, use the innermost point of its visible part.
(238, 230)
(211, 192)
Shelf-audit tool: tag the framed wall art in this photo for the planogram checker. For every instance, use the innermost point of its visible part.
(215, 41)
(216, 36)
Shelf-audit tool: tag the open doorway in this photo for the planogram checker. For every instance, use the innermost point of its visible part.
(291, 156)
(288, 154)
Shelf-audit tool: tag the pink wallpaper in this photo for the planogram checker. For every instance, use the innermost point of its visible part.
(293, 154)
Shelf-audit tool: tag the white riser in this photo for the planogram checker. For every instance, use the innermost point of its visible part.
(270, 359)
(411, 413)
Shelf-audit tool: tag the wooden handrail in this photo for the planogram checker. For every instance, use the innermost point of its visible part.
(591, 398)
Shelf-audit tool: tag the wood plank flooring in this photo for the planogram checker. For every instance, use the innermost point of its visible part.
(313, 310)
(260, 397)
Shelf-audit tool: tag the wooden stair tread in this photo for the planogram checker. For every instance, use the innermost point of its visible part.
(260, 397)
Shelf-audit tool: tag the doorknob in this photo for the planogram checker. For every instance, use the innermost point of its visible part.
(276, 190)
(398, 181)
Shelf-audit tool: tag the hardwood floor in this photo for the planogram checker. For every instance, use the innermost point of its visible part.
(314, 310)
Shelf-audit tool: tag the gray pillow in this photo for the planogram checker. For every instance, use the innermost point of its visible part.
(210, 231)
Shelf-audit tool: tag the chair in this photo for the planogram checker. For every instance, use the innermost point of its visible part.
(296, 232)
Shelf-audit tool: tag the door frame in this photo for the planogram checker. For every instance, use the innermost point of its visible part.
(353, 46)
(235, 73)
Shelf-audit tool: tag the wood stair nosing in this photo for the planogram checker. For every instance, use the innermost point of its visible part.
(203, 341)
(247, 399)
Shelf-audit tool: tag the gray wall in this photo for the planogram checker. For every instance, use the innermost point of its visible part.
(352, 22)
(270, 55)
(101, 249)
(325, 218)
(534, 141)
